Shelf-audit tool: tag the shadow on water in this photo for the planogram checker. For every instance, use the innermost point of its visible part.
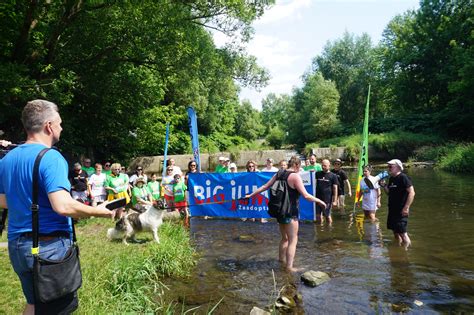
(369, 272)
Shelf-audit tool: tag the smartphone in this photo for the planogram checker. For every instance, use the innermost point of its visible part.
(118, 203)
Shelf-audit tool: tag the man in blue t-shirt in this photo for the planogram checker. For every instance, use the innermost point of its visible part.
(42, 124)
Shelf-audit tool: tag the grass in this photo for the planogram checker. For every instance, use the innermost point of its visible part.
(116, 278)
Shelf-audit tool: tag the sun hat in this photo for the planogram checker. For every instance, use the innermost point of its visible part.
(396, 162)
(140, 179)
(221, 158)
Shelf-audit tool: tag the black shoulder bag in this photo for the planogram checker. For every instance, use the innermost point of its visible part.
(55, 281)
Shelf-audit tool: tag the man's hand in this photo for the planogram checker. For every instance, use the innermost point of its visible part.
(108, 213)
(350, 194)
(405, 212)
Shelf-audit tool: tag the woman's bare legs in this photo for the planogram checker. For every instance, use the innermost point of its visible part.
(283, 244)
(291, 230)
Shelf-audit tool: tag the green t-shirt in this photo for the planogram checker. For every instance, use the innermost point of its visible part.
(107, 172)
(119, 183)
(220, 169)
(155, 189)
(139, 192)
(89, 170)
(316, 167)
(179, 190)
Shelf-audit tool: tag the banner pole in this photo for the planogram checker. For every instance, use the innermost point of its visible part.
(165, 156)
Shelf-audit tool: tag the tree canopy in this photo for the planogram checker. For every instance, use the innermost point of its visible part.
(120, 70)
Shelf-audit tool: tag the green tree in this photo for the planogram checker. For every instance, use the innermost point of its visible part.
(120, 69)
(314, 113)
(428, 65)
(352, 64)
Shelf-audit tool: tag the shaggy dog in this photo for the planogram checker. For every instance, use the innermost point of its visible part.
(134, 222)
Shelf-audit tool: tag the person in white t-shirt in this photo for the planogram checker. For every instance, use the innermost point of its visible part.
(269, 166)
(97, 186)
(176, 169)
(370, 196)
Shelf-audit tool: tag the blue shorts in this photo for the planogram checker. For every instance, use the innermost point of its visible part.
(22, 260)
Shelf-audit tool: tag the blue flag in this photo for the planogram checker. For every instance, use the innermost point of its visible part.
(193, 130)
(166, 148)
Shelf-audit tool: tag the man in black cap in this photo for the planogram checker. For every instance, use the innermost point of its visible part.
(342, 180)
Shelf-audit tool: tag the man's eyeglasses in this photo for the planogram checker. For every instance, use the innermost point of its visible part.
(107, 165)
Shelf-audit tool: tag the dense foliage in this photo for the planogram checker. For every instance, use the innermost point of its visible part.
(421, 73)
(119, 70)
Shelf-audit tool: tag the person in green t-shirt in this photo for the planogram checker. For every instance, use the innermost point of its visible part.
(154, 187)
(141, 196)
(313, 166)
(220, 168)
(179, 194)
(87, 167)
(116, 185)
(107, 170)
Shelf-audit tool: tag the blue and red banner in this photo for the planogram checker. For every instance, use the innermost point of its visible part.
(220, 195)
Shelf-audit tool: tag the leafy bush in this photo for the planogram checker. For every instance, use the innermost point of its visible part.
(459, 158)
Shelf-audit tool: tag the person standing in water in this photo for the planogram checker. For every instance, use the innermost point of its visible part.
(289, 225)
(400, 197)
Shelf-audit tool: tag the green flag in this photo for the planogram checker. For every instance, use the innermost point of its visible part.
(364, 152)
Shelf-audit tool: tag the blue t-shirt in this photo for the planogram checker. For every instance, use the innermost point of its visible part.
(16, 176)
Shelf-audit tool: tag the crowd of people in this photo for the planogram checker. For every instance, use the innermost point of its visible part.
(61, 199)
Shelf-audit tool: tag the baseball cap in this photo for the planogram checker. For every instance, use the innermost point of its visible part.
(232, 165)
(396, 162)
(338, 161)
(221, 158)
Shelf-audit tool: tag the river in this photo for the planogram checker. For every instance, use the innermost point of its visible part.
(369, 272)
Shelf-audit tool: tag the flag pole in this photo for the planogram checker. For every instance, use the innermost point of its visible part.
(165, 156)
(364, 152)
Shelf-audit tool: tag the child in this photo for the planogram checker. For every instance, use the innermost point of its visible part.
(179, 191)
(371, 196)
(154, 187)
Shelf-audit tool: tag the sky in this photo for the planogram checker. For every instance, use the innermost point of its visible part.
(290, 34)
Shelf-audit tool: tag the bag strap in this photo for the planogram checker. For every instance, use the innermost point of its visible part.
(35, 206)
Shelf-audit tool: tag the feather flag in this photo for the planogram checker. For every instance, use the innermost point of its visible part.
(193, 130)
(364, 153)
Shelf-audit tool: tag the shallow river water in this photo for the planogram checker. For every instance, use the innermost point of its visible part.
(369, 272)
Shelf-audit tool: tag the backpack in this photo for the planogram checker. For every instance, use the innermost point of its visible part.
(279, 198)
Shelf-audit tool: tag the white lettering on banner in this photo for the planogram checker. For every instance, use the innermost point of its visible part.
(237, 192)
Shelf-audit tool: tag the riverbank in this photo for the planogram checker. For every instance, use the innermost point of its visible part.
(117, 279)
(414, 148)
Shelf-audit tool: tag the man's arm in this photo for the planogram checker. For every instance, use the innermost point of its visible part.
(64, 204)
(411, 196)
(334, 195)
(349, 188)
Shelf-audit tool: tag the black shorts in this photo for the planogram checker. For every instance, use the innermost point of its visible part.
(325, 211)
(397, 224)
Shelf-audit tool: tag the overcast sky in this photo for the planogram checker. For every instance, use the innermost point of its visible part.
(293, 32)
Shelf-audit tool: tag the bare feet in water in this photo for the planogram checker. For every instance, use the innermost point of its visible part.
(293, 269)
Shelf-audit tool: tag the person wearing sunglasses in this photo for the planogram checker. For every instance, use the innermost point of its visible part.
(107, 171)
(138, 173)
(192, 168)
(400, 197)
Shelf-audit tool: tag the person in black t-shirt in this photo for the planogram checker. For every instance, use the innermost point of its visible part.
(400, 197)
(326, 190)
(342, 180)
(79, 183)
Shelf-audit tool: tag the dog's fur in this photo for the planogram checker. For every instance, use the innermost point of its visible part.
(134, 222)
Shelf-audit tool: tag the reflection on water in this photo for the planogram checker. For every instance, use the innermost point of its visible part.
(369, 272)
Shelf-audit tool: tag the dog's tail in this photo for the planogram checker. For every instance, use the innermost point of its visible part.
(114, 234)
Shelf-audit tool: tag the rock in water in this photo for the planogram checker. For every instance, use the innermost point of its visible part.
(258, 311)
(314, 278)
